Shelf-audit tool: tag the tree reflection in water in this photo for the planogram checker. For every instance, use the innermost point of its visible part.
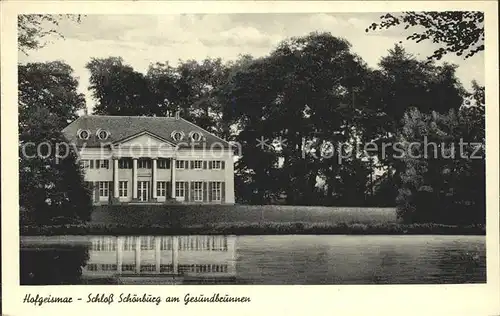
(53, 265)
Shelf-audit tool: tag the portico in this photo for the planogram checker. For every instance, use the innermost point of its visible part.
(145, 183)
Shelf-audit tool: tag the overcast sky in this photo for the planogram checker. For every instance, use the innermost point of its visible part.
(145, 39)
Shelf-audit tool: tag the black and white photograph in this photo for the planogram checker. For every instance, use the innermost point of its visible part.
(301, 148)
(252, 148)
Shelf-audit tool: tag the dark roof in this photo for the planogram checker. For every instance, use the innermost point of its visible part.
(123, 127)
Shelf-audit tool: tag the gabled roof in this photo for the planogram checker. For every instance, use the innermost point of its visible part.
(145, 132)
(124, 127)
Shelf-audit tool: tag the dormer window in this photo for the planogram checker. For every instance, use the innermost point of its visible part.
(195, 136)
(177, 136)
(83, 134)
(102, 134)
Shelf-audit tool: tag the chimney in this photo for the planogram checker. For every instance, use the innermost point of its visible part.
(177, 115)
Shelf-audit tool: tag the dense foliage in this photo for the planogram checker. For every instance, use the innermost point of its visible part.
(303, 115)
(460, 32)
(51, 186)
(445, 177)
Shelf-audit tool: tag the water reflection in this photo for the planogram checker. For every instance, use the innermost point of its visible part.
(161, 256)
(47, 265)
(287, 259)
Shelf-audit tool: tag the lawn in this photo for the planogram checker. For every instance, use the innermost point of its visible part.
(194, 215)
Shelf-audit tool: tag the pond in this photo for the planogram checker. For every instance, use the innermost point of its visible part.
(280, 259)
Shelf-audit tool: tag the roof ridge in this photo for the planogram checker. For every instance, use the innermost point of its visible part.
(204, 130)
(135, 116)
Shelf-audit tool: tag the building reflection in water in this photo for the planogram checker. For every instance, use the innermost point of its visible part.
(211, 256)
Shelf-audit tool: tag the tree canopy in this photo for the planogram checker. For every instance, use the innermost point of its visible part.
(303, 115)
(459, 32)
(34, 29)
(51, 184)
(312, 101)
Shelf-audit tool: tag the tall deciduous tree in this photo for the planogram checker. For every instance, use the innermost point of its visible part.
(50, 180)
(52, 86)
(444, 177)
(460, 32)
(402, 82)
(118, 88)
(302, 93)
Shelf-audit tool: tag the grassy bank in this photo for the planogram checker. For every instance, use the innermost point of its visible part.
(194, 215)
(245, 220)
(257, 229)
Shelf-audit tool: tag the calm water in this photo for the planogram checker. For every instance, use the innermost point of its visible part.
(287, 259)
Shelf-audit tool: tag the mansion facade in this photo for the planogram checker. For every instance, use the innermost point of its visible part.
(137, 159)
(136, 256)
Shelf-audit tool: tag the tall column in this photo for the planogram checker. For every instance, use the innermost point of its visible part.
(175, 254)
(115, 178)
(172, 187)
(231, 248)
(158, 252)
(138, 254)
(153, 178)
(119, 254)
(134, 178)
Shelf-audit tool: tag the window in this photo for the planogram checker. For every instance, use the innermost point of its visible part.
(108, 267)
(216, 191)
(179, 189)
(147, 243)
(83, 134)
(128, 267)
(103, 164)
(102, 134)
(161, 188)
(198, 191)
(125, 163)
(144, 164)
(216, 164)
(163, 164)
(181, 164)
(197, 164)
(123, 188)
(129, 243)
(85, 164)
(104, 244)
(92, 267)
(177, 136)
(103, 188)
(195, 136)
(166, 243)
(148, 268)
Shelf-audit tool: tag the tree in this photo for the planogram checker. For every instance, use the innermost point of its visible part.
(444, 177)
(50, 180)
(52, 86)
(51, 185)
(193, 88)
(118, 88)
(34, 28)
(461, 32)
(403, 82)
(302, 93)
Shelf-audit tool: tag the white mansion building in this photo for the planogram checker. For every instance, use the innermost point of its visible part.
(137, 159)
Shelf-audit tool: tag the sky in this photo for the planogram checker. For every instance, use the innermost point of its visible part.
(144, 39)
